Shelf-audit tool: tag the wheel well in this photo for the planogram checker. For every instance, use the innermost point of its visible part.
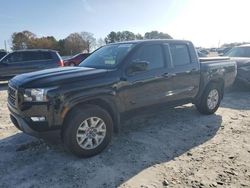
(220, 83)
(104, 105)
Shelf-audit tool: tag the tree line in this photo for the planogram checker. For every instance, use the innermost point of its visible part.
(77, 42)
(231, 45)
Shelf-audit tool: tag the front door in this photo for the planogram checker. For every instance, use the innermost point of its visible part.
(146, 87)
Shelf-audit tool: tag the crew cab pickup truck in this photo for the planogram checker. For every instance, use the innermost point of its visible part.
(87, 102)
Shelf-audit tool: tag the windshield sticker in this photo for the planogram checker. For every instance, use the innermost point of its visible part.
(110, 62)
(125, 46)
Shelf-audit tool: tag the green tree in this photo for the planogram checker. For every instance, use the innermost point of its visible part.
(22, 40)
(44, 43)
(126, 36)
(121, 36)
(111, 37)
(138, 36)
(100, 42)
(74, 44)
(61, 48)
(157, 35)
(89, 39)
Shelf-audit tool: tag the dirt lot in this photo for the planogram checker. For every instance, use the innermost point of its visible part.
(172, 147)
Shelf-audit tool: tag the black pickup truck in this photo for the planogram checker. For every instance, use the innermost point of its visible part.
(86, 103)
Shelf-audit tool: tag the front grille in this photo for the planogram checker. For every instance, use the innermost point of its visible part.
(12, 96)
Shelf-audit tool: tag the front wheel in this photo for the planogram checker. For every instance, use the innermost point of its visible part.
(210, 100)
(87, 131)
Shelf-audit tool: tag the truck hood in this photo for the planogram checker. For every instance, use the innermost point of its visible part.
(56, 76)
(241, 61)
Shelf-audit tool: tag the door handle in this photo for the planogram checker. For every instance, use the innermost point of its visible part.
(123, 79)
(169, 75)
(191, 71)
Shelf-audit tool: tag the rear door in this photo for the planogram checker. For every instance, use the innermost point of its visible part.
(185, 70)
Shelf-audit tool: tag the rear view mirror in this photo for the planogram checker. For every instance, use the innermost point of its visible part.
(137, 66)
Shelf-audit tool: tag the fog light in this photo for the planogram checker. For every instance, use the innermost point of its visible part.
(38, 119)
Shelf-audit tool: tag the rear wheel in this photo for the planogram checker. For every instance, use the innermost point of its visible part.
(87, 131)
(210, 100)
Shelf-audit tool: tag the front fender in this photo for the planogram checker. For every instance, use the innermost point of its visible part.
(106, 99)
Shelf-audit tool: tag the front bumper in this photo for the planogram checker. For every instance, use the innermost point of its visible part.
(27, 125)
(22, 125)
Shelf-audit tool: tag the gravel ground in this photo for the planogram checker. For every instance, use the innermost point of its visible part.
(170, 147)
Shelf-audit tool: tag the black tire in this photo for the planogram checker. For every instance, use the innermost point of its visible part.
(74, 120)
(202, 105)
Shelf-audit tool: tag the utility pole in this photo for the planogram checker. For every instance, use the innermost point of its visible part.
(5, 45)
(219, 44)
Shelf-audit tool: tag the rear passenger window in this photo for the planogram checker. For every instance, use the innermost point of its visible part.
(46, 55)
(31, 56)
(152, 54)
(180, 54)
(36, 56)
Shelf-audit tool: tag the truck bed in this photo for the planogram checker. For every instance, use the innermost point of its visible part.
(218, 67)
(208, 59)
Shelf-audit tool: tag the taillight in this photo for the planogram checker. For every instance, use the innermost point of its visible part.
(60, 63)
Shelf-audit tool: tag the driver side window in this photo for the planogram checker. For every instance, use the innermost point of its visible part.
(151, 54)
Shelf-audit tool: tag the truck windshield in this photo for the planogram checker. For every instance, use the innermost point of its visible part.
(107, 57)
(239, 52)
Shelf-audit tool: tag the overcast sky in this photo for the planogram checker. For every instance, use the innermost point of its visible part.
(207, 23)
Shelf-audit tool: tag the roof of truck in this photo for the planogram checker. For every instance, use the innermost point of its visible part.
(245, 45)
(153, 41)
(32, 50)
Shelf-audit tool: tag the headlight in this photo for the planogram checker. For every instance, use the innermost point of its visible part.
(35, 95)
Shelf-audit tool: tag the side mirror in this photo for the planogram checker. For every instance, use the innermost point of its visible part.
(137, 66)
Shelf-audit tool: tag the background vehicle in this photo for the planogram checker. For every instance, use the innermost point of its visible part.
(213, 49)
(241, 55)
(76, 60)
(200, 54)
(23, 61)
(2, 54)
(204, 51)
(222, 51)
(86, 102)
